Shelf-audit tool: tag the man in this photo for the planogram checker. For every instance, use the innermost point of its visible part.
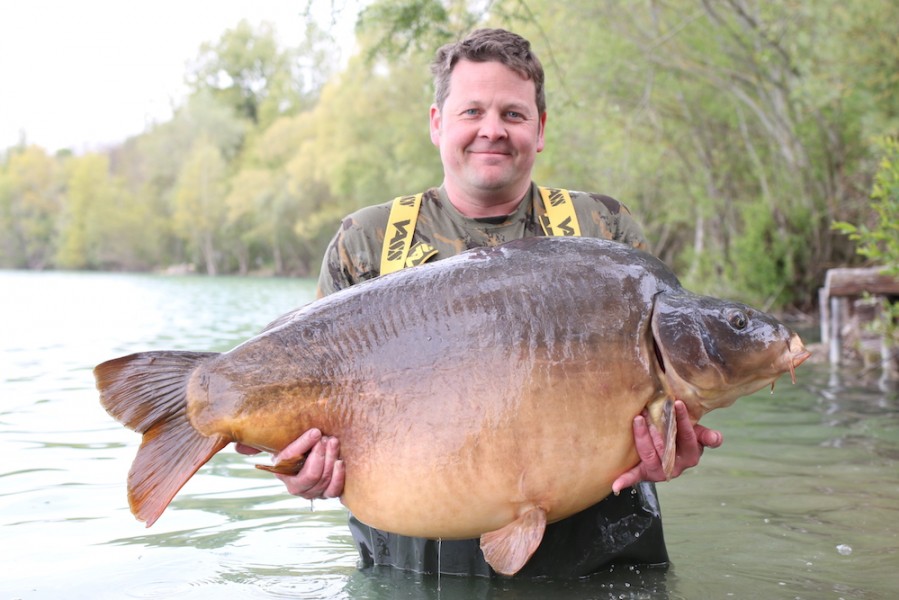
(488, 122)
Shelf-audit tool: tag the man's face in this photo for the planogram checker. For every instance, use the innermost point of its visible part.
(489, 131)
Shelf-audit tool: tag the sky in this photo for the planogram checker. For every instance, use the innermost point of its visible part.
(87, 74)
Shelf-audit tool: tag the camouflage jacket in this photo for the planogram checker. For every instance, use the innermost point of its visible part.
(354, 253)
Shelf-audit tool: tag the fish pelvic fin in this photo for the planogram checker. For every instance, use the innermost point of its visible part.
(147, 392)
(508, 549)
(662, 417)
(285, 467)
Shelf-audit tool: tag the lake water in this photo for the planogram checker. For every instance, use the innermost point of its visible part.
(802, 501)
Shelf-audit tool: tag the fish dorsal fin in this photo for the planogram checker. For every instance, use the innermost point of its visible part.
(508, 549)
(661, 415)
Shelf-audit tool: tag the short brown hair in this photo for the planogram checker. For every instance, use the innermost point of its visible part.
(484, 45)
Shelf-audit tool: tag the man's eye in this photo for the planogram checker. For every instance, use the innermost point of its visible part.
(472, 112)
(514, 115)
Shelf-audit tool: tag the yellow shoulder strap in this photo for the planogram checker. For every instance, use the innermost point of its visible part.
(559, 218)
(398, 235)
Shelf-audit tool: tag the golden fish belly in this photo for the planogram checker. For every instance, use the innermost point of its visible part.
(475, 468)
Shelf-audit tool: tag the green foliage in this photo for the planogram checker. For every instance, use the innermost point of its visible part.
(30, 206)
(88, 194)
(238, 68)
(764, 259)
(398, 27)
(878, 240)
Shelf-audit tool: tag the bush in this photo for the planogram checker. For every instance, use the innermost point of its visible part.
(879, 241)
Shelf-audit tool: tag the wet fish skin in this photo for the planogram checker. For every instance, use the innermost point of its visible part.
(510, 373)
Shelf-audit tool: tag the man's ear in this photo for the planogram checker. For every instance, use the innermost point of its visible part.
(435, 125)
(541, 142)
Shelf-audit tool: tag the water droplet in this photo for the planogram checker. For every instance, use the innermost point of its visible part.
(844, 549)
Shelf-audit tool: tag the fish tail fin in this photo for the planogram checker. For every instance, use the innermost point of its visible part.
(147, 392)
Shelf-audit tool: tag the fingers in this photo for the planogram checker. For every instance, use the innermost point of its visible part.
(695, 434)
(649, 447)
(317, 477)
(338, 478)
(300, 446)
(708, 437)
(631, 478)
(685, 430)
(690, 442)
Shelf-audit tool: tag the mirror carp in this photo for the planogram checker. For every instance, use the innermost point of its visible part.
(484, 395)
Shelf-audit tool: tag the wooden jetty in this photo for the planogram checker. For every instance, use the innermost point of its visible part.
(851, 299)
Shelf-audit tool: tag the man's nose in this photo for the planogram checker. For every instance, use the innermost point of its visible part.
(493, 127)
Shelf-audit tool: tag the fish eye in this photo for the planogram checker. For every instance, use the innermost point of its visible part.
(738, 320)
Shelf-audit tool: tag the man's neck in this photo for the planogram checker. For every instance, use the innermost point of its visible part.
(486, 205)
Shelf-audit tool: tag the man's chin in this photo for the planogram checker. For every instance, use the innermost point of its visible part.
(492, 181)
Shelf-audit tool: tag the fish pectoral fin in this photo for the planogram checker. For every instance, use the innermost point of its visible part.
(508, 549)
(285, 467)
(661, 414)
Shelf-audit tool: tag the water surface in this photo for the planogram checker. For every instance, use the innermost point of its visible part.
(802, 501)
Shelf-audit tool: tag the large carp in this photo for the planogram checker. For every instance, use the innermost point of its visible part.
(483, 395)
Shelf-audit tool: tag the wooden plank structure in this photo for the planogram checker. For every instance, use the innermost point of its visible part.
(850, 299)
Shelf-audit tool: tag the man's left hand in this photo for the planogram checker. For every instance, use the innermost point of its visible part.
(691, 441)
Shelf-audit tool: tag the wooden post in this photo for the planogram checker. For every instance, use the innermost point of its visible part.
(824, 318)
(835, 336)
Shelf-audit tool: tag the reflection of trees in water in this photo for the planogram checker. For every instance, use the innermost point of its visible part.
(862, 405)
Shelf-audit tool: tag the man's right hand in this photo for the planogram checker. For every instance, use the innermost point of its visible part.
(323, 474)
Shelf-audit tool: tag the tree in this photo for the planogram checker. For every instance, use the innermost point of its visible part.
(31, 186)
(200, 209)
(88, 183)
(878, 239)
(248, 71)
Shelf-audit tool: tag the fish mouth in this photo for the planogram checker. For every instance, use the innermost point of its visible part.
(796, 355)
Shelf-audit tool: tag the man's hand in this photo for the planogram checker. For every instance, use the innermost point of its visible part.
(691, 441)
(323, 474)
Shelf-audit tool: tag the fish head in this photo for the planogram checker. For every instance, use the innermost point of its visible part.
(713, 351)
